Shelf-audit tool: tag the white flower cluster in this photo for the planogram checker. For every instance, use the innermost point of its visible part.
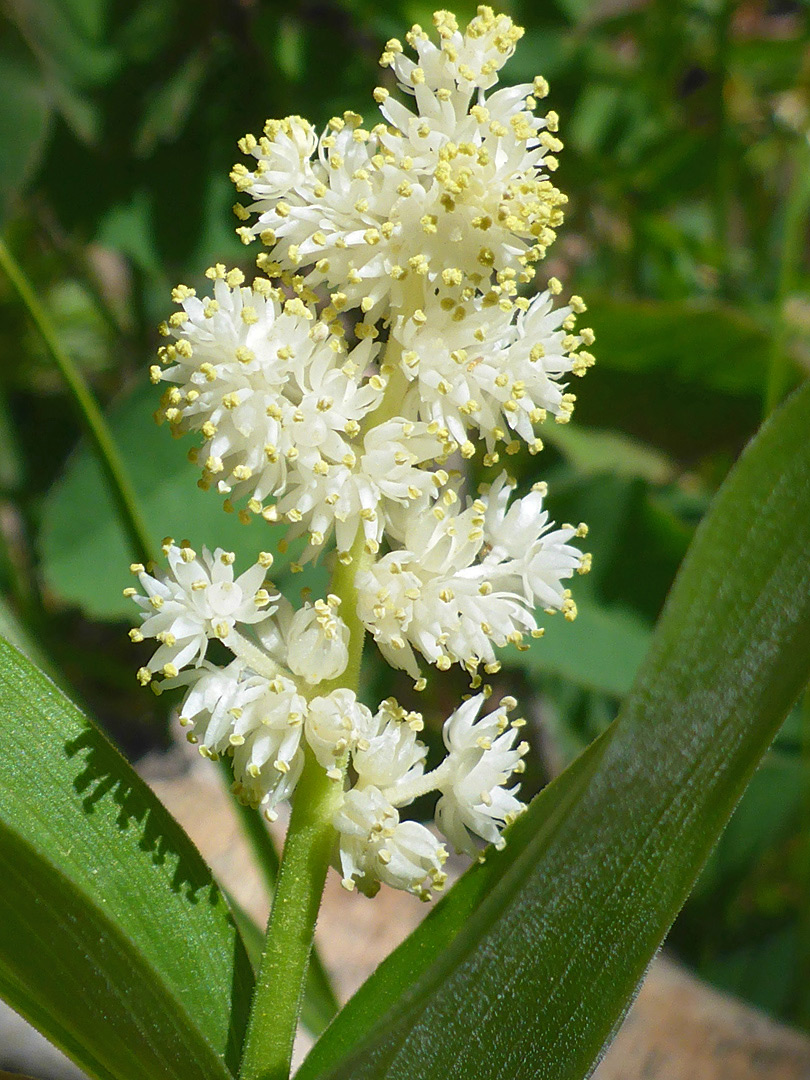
(454, 188)
(341, 392)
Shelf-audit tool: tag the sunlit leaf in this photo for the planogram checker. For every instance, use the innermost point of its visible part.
(114, 940)
(601, 650)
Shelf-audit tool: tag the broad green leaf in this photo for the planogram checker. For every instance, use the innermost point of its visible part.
(114, 940)
(85, 556)
(533, 982)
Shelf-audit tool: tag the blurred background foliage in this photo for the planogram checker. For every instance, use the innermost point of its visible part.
(688, 169)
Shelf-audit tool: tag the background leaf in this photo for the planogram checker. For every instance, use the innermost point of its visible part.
(601, 650)
(85, 558)
(580, 910)
(25, 121)
(114, 940)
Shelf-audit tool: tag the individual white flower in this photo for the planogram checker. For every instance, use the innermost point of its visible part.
(213, 699)
(318, 641)
(258, 721)
(455, 186)
(434, 596)
(375, 846)
(453, 597)
(521, 534)
(492, 364)
(267, 755)
(482, 756)
(198, 599)
(333, 725)
(283, 156)
(461, 62)
(388, 753)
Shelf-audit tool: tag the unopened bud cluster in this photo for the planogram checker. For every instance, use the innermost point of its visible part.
(384, 341)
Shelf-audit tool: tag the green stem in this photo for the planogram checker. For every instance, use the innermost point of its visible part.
(310, 839)
(89, 413)
(307, 851)
(797, 207)
(280, 986)
(320, 1003)
(342, 585)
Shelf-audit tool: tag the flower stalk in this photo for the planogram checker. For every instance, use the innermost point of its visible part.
(279, 990)
(385, 340)
(307, 853)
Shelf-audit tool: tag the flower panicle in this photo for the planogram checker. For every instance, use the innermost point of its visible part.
(388, 338)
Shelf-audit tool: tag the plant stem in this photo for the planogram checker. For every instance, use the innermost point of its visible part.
(421, 785)
(90, 415)
(320, 1003)
(253, 656)
(280, 987)
(307, 851)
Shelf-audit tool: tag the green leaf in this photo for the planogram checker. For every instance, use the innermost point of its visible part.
(705, 343)
(592, 451)
(533, 981)
(427, 943)
(25, 121)
(84, 553)
(114, 940)
(601, 650)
